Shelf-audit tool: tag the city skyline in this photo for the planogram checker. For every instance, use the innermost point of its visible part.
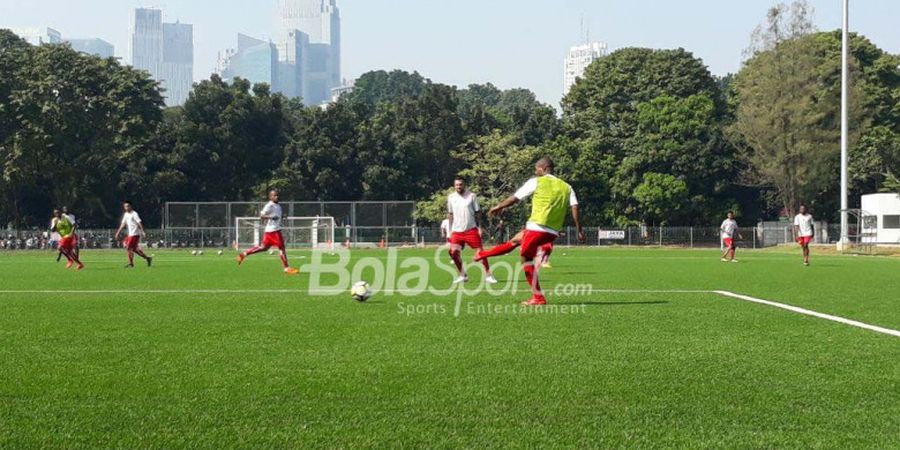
(510, 44)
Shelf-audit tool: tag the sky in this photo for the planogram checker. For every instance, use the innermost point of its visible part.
(511, 43)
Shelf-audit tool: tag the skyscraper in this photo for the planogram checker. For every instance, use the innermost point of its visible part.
(97, 47)
(578, 60)
(166, 51)
(38, 36)
(254, 60)
(177, 73)
(147, 41)
(320, 21)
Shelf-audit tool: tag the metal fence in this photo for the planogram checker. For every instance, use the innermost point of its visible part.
(221, 237)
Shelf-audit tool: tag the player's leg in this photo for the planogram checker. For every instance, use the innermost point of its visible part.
(265, 246)
(457, 243)
(546, 251)
(501, 249)
(474, 240)
(531, 244)
(70, 254)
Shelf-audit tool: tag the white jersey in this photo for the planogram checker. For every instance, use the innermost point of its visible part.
(805, 223)
(463, 207)
(445, 227)
(71, 218)
(132, 222)
(729, 226)
(274, 210)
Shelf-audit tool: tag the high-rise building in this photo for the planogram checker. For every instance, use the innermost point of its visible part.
(254, 60)
(578, 60)
(320, 22)
(38, 36)
(177, 75)
(97, 47)
(147, 41)
(166, 51)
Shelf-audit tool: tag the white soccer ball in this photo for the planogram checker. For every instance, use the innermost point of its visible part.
(220, 253)
(361, 291)
(271, 252)
(199, 252)
(194, 252)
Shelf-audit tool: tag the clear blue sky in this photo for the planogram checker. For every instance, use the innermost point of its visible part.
(511, 43)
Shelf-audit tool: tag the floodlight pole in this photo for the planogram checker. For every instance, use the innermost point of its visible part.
(845, 119)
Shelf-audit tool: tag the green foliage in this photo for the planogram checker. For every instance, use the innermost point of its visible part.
(660, 197)
(788, 117)
(71, 125)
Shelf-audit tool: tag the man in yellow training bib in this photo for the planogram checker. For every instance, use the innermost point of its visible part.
(551, 197)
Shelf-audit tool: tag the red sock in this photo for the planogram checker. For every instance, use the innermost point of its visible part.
(531, 276)
(254, 250)
(454, 255)
(501, 249)
(487, 265)
(283, 255)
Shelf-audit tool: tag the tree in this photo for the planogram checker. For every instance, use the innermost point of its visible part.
(660, 197)
(231, 139)
(69, 117)
(788, 116)
(604, 102)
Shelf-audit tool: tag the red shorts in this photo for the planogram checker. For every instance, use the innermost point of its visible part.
(471, 238)
(273, 239)
(131, 242)
(804, 240)
(729, 242)
(532, 241)
(67, 242)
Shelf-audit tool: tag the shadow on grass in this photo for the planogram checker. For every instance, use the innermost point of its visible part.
(660, 302)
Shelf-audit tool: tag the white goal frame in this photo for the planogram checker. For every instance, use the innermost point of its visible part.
(317, 224)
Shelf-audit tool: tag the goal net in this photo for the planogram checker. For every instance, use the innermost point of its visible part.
(298, 232)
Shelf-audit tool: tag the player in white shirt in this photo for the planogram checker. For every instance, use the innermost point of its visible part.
(804, 230)
(445, 230)
(271, 214)
(728, 229)
(132, 221)
(462, 212)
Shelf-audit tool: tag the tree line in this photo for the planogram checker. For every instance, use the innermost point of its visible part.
(645, 136)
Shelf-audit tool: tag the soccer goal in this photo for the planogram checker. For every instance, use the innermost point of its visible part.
(298, 232)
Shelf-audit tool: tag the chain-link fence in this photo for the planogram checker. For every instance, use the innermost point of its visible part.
(760, 236)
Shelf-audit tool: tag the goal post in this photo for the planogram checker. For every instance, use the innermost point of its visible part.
(299, 232)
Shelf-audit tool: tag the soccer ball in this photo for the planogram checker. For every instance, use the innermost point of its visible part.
(271, 252)
(361, 291)
(194, 252)
(199, 252)
(220, 252)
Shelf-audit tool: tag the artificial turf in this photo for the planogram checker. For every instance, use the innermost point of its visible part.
(196, 352)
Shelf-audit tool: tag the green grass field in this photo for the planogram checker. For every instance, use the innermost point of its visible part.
(199, 353)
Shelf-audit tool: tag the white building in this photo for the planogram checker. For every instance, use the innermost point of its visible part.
(882, 212)
(38, 36)
(166, 51)
(146, 46)
(97, 47)
(578, 60)
(319, 70)
(177, 71)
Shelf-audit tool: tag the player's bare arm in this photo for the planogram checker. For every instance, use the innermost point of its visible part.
(497, 210)
(119, 231)
(576, 217)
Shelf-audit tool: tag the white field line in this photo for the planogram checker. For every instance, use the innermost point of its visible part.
(807, 312)
(729, 294)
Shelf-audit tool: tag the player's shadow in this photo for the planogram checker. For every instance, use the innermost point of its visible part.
(657, 302)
